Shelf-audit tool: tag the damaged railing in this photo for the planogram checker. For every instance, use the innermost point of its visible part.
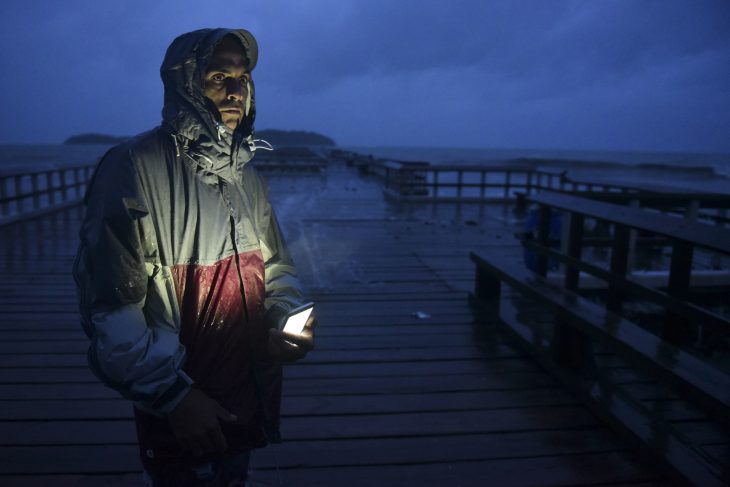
(421, 182)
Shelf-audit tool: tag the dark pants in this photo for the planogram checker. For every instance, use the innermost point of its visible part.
(226, 471)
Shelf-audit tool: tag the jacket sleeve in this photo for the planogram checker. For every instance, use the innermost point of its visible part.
(283, 291)
(132, 350)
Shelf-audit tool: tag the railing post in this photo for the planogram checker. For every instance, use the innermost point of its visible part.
(4, 196)
(88, 173)
(51, 188)
(400, 178)
(18, 193)
(486, 285)
(676, 328)
(543, 238)
(721, 217)
(64, 186)
(528, 186)
(573, 249)
(633, 235)
(693, 210)
(436, 173)
(77, 189)
(507, 182)
(620, 251)
(571, 348)
(459, 183)
(35, 189)
(81, 177)
(482, 188)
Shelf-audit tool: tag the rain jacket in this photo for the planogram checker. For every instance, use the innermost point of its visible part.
(182, 267)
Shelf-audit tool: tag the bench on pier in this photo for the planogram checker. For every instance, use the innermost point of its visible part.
(569, 345)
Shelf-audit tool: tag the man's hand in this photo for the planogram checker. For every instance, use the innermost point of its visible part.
(287, 347)
(195, 422)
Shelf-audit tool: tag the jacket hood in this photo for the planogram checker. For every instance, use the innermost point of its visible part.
(191, 118)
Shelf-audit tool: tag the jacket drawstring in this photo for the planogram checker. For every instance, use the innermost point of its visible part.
(268, 146)
(177, 147)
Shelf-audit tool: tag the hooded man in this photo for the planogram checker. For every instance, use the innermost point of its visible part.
(183, 275)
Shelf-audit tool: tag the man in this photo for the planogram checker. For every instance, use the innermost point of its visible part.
(183, 275)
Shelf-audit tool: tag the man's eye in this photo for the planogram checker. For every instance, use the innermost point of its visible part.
(244, 80)
(218, 77)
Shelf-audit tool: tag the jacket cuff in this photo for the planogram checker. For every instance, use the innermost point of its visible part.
(169, 400)
(275, 315)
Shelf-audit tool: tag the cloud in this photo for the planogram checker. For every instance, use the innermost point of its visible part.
(466, 72)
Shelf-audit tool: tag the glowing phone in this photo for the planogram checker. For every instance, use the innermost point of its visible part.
(297, 318)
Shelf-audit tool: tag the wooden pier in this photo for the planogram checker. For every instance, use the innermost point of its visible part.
(409, 383)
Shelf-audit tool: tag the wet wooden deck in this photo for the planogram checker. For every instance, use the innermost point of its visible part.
(387, 398)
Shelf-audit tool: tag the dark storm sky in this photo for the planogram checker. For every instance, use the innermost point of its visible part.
(598, 74)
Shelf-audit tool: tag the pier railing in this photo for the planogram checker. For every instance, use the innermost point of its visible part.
(300, 160)
(687, 203)
(675, 349)
(28, 194)
(421, 182)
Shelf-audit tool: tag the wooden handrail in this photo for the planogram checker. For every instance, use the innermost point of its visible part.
(27, 194)
(683, 230)
(420, 181)
(683, 236)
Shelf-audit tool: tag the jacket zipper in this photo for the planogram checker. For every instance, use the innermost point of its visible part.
(232, 220)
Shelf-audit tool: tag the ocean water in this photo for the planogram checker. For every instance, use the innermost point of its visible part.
(18, 158)
(699, 171)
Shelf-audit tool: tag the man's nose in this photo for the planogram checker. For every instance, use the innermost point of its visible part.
(236, 90)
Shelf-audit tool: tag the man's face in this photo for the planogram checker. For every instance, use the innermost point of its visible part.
(226, 81)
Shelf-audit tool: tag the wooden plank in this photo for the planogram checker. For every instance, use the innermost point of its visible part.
(358, 342)
(30, 375)
(307, 387)
(544, 471)
(328, 454)
(308, 428)
(377, 369)
(318, 356)
(68, 459)
(59, 409)
(74, 479)
(326, 320)
(325, 328)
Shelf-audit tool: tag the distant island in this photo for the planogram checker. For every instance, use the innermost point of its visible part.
(277, 138)
(94, 139)
(293, 137)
